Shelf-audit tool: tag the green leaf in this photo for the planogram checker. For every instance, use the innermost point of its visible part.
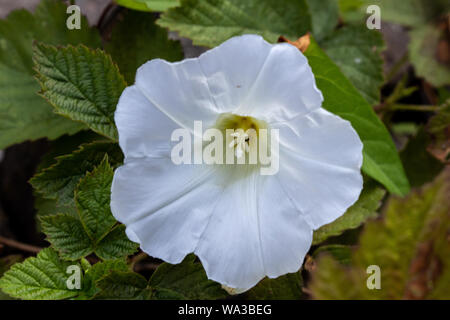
(420, 165)
(324, 16)
(5, 265)
(424, 54)
(186, 280)
(47, 207)
(211, 22)
(97, 272)
(410, 245)
(148, 5)
(407, 12)
(93, 230)
(64, 145)
(59, 147)
(439, 129)
(412, 12)
(38, 278)
(58, 182)
(369, 201)
(421, 16)
(352, 10)
(23, 114)
(67, 235)
(381, 160)
(121, 285)
(441, 121)
(101, 269)
(356, 50)
(287, 287)
(115, 244)
(82, 84)
(145, 41)
(92, 198)
(341, 253)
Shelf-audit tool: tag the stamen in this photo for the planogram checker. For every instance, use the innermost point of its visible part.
(240, 140)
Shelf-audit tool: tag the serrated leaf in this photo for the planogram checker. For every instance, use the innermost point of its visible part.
(81, 83)
(115, 244)
(58, 182)
(59, 147)
(121, 285)
(64, 145)
(211, 22)
(145, 41)
(101, 269)
(287, 287)
(381, 160)
(148, 5)
(66, 234)
(356, 50)
(92, 230)
(186, 280)
(38, 278)
(97, 272)
(23, 114)
(410, 245)
(5, 265)
(369, 201)
(48, 207)
(92, 197)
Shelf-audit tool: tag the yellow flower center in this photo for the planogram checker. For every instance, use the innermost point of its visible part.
(241, 134)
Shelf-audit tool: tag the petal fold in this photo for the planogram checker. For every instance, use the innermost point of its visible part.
(320, 162)
(165, 207)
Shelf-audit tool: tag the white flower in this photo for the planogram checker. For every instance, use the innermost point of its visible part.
(241, 224)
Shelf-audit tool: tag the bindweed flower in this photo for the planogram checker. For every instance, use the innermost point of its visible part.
(243, 225)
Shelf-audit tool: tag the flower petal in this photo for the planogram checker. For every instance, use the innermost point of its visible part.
(229, 248)
(179, 90)
(320, 162)
(270, 82)
(143, 129)
(285, 235)
(164, 206)
(232, 68)
(255, 231)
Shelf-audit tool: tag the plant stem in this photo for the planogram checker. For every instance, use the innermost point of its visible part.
(410, 107)
(19, 245)
(396, 68)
